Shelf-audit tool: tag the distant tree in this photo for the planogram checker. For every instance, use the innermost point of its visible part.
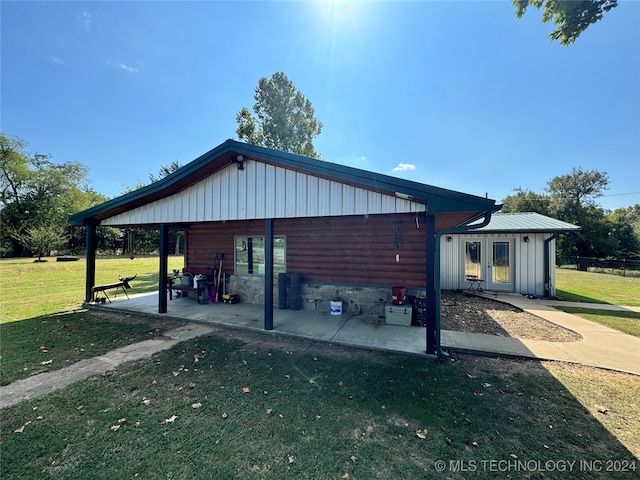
(571, 16)
(625, 230)
(572, 198)
(37, 192)
(579, 187)
(145, 240)
(526, 201)
(44, 239)
(284, 118)
(165, 170)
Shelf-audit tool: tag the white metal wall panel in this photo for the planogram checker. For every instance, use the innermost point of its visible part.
(528, 258)
(262, 191)
(301, 195)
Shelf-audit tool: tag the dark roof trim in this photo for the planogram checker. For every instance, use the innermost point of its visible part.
(437, 199)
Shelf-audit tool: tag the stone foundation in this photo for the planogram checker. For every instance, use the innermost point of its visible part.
(356, 300)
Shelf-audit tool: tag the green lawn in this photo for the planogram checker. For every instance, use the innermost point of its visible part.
(627, 322)
(31, 289)
(575, 286)
(243, 405)
(240, 405)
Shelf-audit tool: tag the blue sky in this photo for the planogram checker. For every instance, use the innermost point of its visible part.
(460, 95)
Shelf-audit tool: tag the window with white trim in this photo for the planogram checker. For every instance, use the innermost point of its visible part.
(249, 255)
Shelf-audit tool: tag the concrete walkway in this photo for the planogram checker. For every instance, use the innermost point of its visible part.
(48, 382)
(600, 346)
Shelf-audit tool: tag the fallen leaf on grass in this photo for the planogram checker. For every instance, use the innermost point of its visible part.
(146, 401)
(192, 385)
(115, 427)
(345, 476)
(514, 456)
(155, 382)
(245, 390)
(421, 433)
(601, 409)
(21, 429)
(43, 349)
(486, 385)
(269, 410)
(291, 458)
(122, 421)
(46, 362)
(224, 415)
(196, 405)
(354, 459)
(170, 419)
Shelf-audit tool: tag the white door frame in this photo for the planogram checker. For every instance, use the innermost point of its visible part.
(490, 258)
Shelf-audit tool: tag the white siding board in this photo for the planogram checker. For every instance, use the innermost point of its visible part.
(270, 192)
(374, 202)
(335, 199)
(262, 191)
(313, 198)
(361, 197)
(290, 194)
(301, 195)
(324, 197)
(260, 196)
(348, 200)
(252, 177)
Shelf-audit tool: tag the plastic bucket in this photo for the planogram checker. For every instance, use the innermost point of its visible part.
(336, 307)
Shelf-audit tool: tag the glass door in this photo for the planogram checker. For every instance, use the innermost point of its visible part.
(500, 268)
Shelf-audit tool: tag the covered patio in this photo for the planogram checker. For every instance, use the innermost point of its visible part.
(359, 331)
(250, 213)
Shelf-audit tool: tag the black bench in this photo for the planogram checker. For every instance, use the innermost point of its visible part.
(122, 284)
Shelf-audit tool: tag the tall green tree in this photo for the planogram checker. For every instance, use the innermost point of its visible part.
(37, 192)
(573, 198)
(526, 201)
(572, 17)
(284, 119)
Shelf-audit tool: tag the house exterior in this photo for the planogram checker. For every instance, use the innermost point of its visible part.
(515, 252)
(346, 232)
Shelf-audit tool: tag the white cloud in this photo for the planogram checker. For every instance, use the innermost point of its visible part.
(86, 20)
(127, 68)
(122, 66)
(403, 167)
(57, 60)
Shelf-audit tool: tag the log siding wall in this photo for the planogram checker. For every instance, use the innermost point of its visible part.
(354, 250)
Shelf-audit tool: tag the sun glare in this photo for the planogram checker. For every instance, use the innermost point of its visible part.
(339, 13)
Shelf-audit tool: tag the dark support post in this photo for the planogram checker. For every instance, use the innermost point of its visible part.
(431, 284)
(268, 274)
(164, 265)
(91, 262)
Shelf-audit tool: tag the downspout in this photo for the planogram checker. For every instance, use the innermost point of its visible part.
(547, 267)
(461, 229)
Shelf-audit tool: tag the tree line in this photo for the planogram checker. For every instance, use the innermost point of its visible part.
(572, 198)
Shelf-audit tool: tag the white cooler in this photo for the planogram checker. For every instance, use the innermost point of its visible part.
(398, 315)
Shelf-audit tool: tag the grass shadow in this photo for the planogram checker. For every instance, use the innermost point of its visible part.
(50, 342)
(574, 297)
(246, 405)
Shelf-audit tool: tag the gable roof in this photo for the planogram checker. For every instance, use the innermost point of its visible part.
(436, 199)
(526, 222)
